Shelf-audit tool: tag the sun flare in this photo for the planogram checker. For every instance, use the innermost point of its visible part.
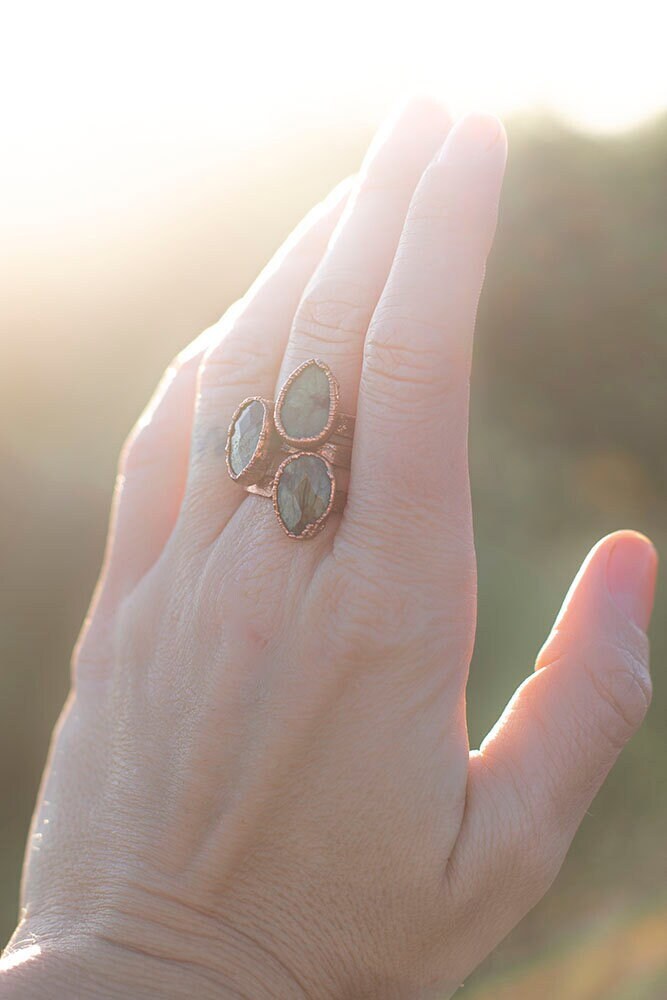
(95, 96)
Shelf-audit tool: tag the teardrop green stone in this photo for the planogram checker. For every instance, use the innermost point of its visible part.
(303, 492)
(245, 436)
(305, 408)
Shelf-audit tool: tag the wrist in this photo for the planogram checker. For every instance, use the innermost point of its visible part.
(36, 966)
(86, 970)
(29, 972)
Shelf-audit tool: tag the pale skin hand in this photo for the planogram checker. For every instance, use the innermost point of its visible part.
(261, 785)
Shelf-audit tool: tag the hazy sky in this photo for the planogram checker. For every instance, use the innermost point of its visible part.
(96, 91)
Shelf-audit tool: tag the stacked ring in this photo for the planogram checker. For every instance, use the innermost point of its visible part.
(289, 450)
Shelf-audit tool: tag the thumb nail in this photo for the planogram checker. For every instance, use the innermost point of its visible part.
(631, 575)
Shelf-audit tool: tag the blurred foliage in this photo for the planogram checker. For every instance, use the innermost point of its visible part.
(568, 442)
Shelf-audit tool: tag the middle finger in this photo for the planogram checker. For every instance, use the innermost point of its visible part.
(335, 311)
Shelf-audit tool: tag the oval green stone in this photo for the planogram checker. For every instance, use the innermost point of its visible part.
(305, 408)
(245, 436)
(303, 493)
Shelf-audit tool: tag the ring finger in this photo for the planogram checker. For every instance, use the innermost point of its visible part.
(242, 361)
(334, 313)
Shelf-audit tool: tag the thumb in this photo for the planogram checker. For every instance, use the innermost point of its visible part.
(537, 771)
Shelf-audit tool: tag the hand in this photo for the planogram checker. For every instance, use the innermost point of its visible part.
(261, 784)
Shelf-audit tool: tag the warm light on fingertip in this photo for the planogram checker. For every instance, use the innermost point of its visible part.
(475, 132)
(632, 569)
(482, 128)
(414, 114)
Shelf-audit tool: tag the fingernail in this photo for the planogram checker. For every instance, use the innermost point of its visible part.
(631, 575)
(474, 133)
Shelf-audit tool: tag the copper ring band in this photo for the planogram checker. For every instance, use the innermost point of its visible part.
(304, 426)
(336, 453)
(265, 489)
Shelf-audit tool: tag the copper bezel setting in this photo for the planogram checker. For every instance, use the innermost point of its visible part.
(334, 397)
(275, 449)
(312, 529)
(258, 464)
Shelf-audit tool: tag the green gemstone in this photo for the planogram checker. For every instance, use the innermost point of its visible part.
(305, 408)
(245, 435)
(304, 492)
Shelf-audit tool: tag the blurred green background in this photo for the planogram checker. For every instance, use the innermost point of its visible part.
(568, 442)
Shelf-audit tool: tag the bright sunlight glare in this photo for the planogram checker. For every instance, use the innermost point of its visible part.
(100, 96)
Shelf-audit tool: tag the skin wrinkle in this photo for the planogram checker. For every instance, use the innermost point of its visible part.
(214, 937)
(633, 668)
(347, 319)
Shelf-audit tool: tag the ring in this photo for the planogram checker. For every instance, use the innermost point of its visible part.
(307, 411)
(289, 450)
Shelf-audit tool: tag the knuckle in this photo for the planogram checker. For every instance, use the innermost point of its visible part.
(374, 620)
(408, 358)
(452, 536)
(233, 361)
(387, 362)
(622, 682)
(336, 311)
(366, 617)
